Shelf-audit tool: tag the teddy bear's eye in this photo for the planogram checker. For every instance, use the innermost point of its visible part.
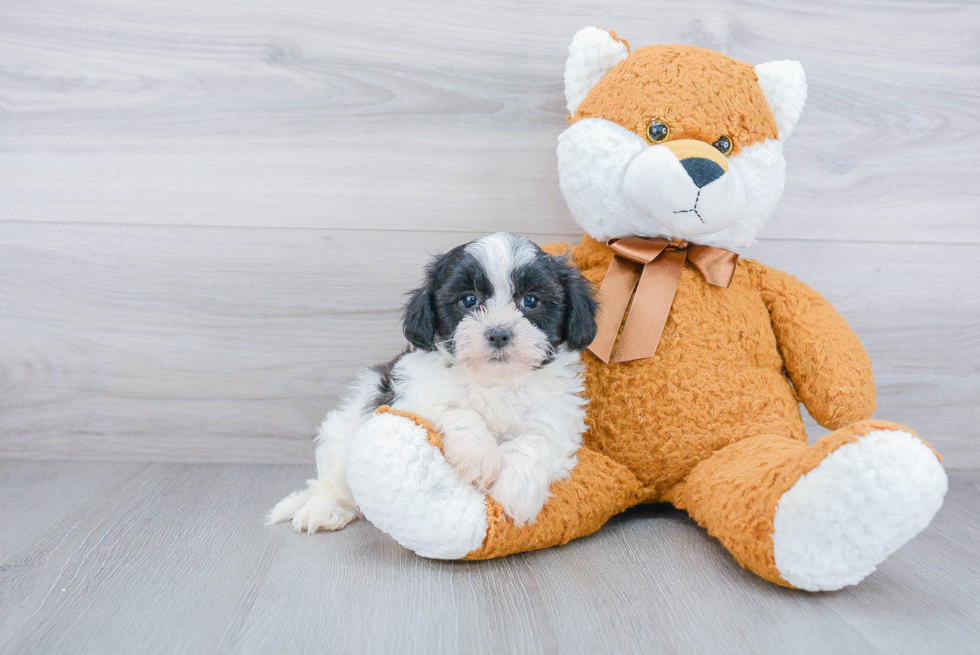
(724, 144)
(657, 131)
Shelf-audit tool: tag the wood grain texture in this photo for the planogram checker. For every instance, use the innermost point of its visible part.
(214, 344)
(396, 115)
(209, 211)
(172, 558)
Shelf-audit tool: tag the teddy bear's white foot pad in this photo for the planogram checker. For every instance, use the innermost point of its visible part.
(858, 506)
(406, 488)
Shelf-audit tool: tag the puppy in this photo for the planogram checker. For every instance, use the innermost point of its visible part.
(494, 364)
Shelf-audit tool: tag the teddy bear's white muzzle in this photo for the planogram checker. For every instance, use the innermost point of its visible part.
(689, 195)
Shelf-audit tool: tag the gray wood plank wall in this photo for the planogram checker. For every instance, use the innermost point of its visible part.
(209, 211)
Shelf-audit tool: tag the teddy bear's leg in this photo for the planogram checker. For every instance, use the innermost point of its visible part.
(404, 486)
(820, 517)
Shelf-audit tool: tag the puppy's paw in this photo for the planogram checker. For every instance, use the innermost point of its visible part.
(323, 513)
(286, 508)
(476, 459)
(321, 507)
(521, 488)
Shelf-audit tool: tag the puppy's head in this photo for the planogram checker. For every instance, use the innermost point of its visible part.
(500, 306)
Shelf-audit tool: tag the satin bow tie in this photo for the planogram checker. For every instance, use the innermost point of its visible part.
(649, 271)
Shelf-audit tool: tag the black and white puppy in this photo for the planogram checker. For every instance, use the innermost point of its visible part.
(494, 364)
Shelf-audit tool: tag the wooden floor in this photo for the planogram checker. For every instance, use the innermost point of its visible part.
(173, 558)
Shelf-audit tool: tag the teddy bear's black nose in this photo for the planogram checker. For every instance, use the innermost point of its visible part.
(702, 171)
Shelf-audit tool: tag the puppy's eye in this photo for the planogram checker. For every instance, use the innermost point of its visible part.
(724, 144)
(529, 301)
(657, 131)
(469, 300)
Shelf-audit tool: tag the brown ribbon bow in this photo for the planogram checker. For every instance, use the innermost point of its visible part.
(651, 267)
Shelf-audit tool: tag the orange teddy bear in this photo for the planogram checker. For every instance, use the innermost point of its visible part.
(674, 154)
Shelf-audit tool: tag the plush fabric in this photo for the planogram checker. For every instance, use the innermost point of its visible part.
(591, 54)
(683, 86)
(405, 486)
(718, 375)
(859, 504)
(711, 423)
(735, 492)
(598, 489)
(571, 513)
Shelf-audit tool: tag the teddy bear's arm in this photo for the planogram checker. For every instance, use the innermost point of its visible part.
(824, 358)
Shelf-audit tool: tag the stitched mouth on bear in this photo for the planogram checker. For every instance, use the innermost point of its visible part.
(689, 196)
(692, 209)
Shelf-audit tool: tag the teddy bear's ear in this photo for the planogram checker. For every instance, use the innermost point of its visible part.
(784, 85)
(592, 53)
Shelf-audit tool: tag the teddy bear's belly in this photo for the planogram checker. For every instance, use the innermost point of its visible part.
(717, 378)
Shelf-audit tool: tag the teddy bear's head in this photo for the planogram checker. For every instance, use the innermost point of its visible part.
(674, 141)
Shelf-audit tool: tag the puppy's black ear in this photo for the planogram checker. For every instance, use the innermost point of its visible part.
(419, 321)
(580, 307)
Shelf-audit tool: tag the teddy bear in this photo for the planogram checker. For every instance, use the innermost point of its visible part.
(672, 158)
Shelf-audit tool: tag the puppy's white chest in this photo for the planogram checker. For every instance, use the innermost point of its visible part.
(504, 415)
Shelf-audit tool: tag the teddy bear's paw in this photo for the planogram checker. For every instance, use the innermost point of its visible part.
(406, 488)
(858, 506)
(320, 507)
(521, 488)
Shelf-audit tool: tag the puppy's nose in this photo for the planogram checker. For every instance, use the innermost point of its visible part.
(701, 170)
(498, 337)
